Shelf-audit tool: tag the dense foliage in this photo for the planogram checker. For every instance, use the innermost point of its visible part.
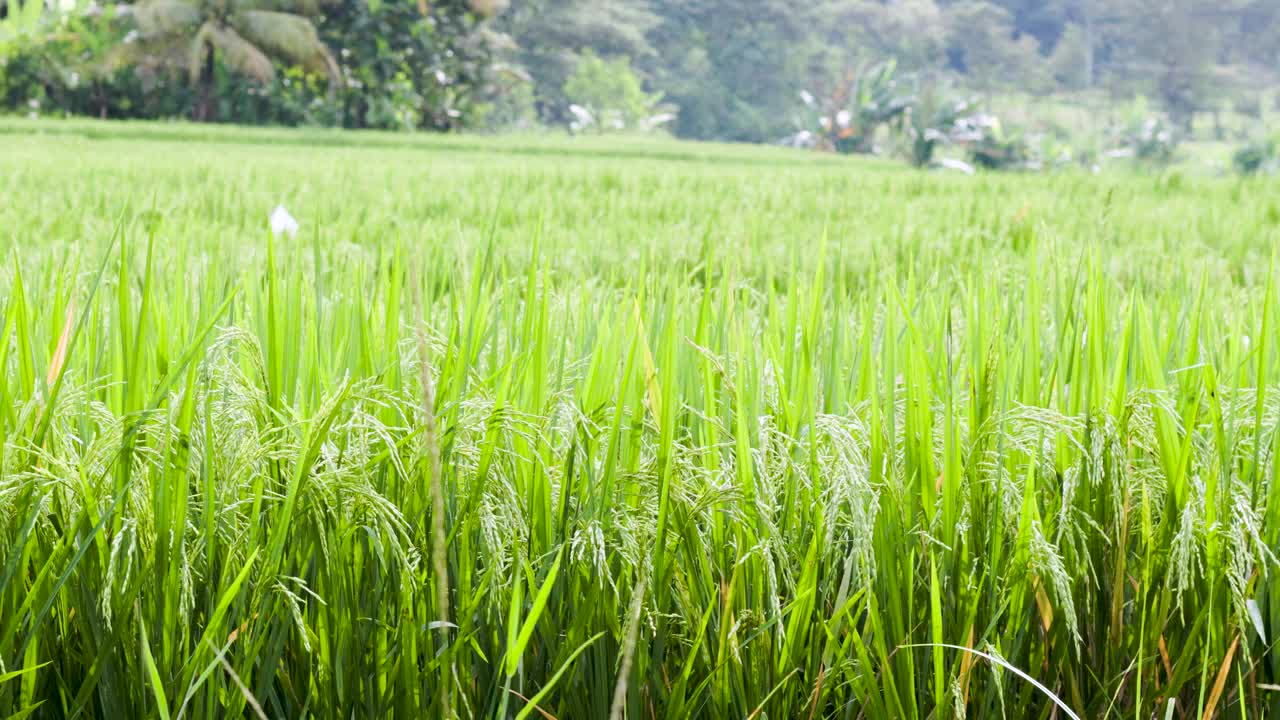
(733, 70)
(662, 431)
(395, 64)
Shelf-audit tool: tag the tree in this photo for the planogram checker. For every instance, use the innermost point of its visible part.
(410, 64)
(549, 37)
(911, 32)
(734, 69)
(247, 37)
(1070, 61)
(1183, 50)
(1248, 38)
(1044, 20)
(983, 43)
(1166, 47)
(611, 95)
(1084, 14)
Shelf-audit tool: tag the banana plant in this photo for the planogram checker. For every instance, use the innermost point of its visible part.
(1146, 138)
(864, 100)
(25, 21)
(20, 22)
(931, 121)
(993, 146)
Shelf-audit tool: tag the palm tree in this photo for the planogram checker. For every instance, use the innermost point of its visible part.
(247, 36)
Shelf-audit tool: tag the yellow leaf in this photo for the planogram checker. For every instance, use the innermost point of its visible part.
(1046, 607)
(60, 354)
(1221, 683)
(652, 391)
(966, 663)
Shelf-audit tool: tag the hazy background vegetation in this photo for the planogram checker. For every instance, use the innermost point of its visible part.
(511, 406)
(705, 69)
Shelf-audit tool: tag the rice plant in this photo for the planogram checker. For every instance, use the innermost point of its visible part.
(543, 430)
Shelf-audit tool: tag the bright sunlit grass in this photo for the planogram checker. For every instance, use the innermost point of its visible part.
(532, 429)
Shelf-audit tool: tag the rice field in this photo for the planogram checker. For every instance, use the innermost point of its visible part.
(538, 428)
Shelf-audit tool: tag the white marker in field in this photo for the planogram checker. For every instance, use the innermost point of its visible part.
(283, 223)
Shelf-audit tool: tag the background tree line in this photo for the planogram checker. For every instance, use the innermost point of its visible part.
(710, 69)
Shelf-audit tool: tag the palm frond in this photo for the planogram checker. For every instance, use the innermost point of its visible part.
(234, 50)
(199, 53)
(153, 54)
(290, 37)
(165, 17)
(305, 8)
(487, 8)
